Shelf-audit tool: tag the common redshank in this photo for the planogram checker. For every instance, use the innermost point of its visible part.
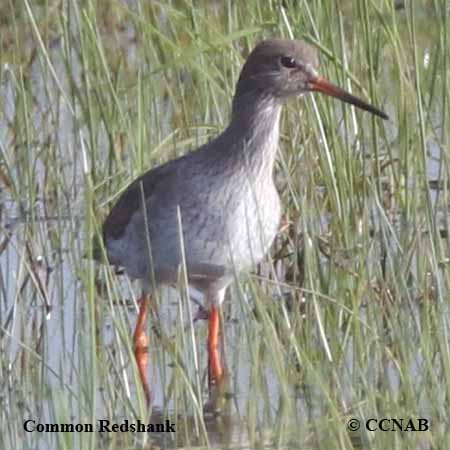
(221, 195)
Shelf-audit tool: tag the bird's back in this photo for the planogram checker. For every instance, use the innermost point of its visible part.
(228, 219)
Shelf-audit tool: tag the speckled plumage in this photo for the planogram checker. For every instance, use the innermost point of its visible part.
(224, 193)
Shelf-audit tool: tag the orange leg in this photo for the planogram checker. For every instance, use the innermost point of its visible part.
(140, 342)
(215, 370)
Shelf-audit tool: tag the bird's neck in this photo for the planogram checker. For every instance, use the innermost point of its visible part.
(254, 131)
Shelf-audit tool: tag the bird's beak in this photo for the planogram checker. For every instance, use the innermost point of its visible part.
(319, 84)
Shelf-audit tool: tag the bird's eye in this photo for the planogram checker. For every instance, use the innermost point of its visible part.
(288, 61)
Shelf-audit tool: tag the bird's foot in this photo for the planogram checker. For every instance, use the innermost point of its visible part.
(215, 370)
(140, 343)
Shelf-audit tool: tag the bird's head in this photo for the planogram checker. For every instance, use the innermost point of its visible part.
(280, 68)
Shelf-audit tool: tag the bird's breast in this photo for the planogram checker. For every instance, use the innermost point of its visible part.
(236, 225)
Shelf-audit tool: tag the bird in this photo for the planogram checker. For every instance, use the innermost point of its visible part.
(216, 209)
